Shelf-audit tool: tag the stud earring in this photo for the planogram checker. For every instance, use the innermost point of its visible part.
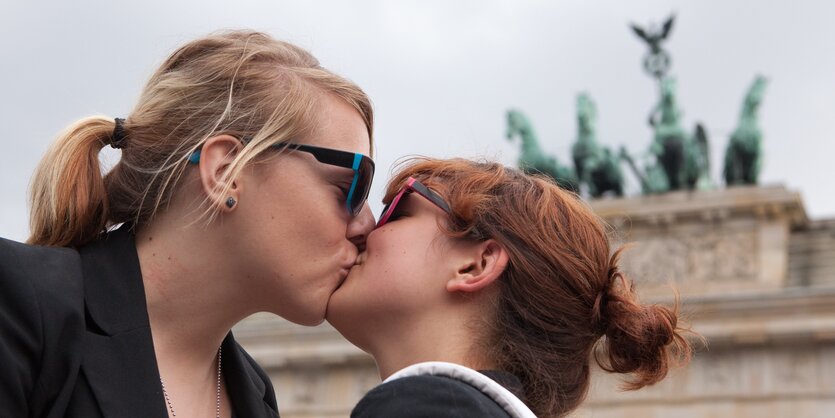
(230, 203)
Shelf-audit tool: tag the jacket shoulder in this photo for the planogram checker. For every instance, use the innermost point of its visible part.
(33, 262)
(41, 323)
(426, 396)
(47, 278)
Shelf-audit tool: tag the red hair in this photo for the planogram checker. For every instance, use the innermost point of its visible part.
(562, 299)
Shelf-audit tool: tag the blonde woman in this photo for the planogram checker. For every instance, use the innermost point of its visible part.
(241, 188)
(483, 292)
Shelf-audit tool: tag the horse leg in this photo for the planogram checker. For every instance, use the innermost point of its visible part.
(672, 160)
(748, 169)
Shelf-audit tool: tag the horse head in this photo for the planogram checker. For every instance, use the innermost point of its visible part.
(516, 123)
(755, 95)
(586, 115)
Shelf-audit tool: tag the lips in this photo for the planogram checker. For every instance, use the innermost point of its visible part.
(360, 259)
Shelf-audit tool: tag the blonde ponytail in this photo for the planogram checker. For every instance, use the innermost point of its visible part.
(241, 83)
(67, 198)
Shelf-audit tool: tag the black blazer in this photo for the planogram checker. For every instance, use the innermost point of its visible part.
(75, 339)
(428, 396)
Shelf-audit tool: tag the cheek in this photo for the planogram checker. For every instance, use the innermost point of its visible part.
(310, 219)
(314, 228)
(295, 234)
(400, 267)
(393, 250)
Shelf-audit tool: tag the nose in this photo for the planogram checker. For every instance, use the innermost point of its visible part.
(360, 226)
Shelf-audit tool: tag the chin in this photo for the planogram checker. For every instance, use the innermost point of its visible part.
(308, 319)
(323, 301)
(333, 307)
(304, 319)
(336, 310)
(313, 322)
(309, 315)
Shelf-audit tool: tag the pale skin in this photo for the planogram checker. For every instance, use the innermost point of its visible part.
(417, 295)
(200, 279)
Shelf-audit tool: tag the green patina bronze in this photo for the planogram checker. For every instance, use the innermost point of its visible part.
(657, 60)
(595, 165)
(533, 159)
(650, 174)
(743, 158)
(684, 158)
(675, 160)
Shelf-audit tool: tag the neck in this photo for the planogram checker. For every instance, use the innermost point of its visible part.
(451, 340)
(191, 302)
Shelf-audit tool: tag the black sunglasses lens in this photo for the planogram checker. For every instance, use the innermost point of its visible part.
(385, 211)
(365, 174)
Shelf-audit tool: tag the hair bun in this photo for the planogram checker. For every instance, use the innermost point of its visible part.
(598, 316)
(644, 340)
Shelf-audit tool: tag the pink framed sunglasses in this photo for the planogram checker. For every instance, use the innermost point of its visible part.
(412, 185)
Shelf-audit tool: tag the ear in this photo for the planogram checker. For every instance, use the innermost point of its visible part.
(216, 156)
(485, 263)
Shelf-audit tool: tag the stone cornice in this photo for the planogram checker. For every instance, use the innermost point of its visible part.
(784, 316)
(708, 205)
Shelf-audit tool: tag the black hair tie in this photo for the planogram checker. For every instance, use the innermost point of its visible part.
(118, 136)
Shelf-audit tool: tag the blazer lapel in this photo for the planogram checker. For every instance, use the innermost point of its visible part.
(119, 358)
(123, 375)
(249, 394)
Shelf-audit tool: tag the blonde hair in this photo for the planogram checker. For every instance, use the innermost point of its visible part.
(241, 83)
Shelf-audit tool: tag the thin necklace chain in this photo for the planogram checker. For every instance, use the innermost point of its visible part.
(217, 402)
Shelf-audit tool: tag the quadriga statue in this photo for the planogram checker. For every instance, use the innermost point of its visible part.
(743, 158)
(596, 165)
(533, 159)
(684, 158)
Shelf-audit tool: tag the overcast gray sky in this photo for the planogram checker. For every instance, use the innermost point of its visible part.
(442, 73)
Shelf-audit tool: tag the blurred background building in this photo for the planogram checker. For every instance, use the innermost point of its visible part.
(757, 281)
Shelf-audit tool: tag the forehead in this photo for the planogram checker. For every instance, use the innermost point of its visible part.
(339, 126)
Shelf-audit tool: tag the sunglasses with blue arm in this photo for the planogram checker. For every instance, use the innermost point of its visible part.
(362, 166)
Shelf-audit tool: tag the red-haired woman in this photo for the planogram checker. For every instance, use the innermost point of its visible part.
(475, 266)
